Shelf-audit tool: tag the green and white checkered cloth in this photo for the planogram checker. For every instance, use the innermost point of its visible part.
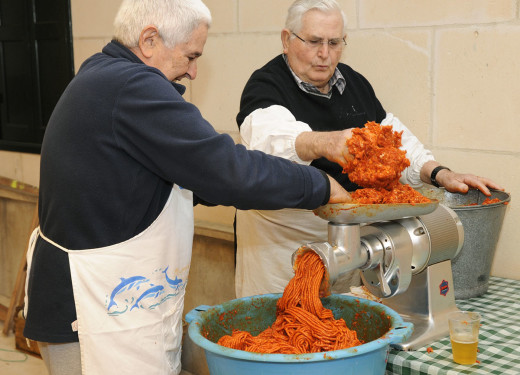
(499, 338)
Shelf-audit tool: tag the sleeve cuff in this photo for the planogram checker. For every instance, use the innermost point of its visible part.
(327, 193)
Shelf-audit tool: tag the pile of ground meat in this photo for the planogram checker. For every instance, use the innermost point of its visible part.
(377, 166)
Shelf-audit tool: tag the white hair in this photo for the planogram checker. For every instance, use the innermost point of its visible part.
(298, 9)
(175, 20)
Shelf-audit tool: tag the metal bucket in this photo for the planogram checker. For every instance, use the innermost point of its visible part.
(376, 324)
(482, 225)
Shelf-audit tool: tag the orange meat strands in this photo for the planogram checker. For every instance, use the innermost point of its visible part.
(377, 165)
(302, 324)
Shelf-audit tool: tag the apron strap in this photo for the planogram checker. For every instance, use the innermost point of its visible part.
(53, 243)
(29, 256)
(32, 243)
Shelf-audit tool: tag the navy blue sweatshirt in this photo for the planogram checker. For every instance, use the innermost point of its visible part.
(120, 136)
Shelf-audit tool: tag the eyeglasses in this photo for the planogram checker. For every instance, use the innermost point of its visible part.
(334, 44)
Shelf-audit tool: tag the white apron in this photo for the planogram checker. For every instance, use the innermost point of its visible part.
(130, 296)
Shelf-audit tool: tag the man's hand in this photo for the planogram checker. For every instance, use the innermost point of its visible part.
(458, 182)
(462, 182)
(337, 193)
(330, 145)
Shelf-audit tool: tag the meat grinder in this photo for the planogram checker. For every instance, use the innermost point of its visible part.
(404, 254)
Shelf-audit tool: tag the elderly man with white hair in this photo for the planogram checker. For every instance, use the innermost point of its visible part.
(300, 106)
(124, 158)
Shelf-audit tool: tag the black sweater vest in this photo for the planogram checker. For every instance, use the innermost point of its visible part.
(273, 84)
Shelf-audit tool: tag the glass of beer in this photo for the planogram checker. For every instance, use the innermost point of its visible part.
(464, 328)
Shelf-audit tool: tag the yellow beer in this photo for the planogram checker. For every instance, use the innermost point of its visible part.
(464, 327)
(464, 352)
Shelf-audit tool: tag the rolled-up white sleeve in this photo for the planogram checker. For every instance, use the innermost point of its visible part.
(273, 130)
(415, 152)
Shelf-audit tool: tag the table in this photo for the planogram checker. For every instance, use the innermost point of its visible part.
(499, 338)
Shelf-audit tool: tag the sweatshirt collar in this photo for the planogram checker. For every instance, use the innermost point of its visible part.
(118, 50)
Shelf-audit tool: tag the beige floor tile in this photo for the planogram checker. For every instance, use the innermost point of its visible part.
(14, 362)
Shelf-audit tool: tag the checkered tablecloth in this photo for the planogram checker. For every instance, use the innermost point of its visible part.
(499, 338)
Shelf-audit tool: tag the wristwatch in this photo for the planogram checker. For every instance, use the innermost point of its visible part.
(434, 174)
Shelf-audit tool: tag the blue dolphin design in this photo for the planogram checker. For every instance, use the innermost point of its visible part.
(125, 282)
(173, 283)
(148, 293)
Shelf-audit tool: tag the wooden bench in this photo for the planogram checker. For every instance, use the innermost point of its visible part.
(18, 218)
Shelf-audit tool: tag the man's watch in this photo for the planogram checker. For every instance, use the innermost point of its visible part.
(434, 175)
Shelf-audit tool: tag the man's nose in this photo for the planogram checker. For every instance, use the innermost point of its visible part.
(192, 70)
(323, 49)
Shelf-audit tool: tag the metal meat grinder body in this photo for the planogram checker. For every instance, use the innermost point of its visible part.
(405, 261)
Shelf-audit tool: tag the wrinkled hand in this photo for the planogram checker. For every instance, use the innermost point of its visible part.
(462, 182)
(330, 145)
(337, 193)
(337, 150)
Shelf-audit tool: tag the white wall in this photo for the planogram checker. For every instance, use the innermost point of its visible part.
(450, 70)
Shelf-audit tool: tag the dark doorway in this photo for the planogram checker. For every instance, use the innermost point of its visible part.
(36, 64)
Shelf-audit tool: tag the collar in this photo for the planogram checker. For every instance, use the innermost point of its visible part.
(337, 80)
(118, 50)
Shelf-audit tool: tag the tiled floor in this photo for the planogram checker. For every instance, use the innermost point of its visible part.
(14, 362)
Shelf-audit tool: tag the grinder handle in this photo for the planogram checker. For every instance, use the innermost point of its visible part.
(383, 282)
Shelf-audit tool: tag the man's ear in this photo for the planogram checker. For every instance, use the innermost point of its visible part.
(148, 40)
(285, 36)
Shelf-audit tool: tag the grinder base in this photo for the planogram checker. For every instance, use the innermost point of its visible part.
(429, 300)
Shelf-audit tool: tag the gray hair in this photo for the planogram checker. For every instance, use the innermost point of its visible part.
(175, 20)
(298, 9)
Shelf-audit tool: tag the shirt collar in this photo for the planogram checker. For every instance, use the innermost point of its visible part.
(337, 80)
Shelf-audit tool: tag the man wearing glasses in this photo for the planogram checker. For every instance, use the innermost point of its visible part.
(302, 106)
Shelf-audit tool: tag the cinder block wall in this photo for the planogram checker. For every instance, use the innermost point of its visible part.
(450, 70)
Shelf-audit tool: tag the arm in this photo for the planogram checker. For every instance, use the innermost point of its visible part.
(422, 163)
(169, 137)
(275, 131)
(330, 145)
(458, 182)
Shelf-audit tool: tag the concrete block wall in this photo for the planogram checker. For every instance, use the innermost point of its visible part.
(450, 70)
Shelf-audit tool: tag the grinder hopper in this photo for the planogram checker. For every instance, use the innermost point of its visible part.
(403, 252)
